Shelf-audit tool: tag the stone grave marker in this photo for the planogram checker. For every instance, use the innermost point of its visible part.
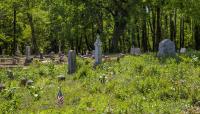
(183, 50)
(166, 48)
(71, 62)
(98, 51)
(28, 59)
(18, 53)
(135, 51)
(29, 82)
(61, 78)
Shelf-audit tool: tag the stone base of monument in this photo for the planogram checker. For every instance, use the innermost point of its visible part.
(28, 61)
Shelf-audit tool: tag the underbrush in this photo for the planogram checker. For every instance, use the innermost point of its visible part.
(135, 84)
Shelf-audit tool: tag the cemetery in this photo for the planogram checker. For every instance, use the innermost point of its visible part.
(99, 57)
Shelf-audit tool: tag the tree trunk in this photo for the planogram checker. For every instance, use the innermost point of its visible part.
(14, 29)
(152, 24)
(138, 36)
(158, 27)
(182, 32)
(197, 36)
(119, 28)
(171, 28)
(144, 32)
(33, 38)
(175, 15)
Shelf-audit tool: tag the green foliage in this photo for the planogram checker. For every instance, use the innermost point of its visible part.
(135, 84)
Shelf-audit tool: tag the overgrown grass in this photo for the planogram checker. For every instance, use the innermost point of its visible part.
(134, 85)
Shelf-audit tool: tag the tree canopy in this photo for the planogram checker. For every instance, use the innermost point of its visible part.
(49, 24)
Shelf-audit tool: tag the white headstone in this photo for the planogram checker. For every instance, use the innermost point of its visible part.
(166, 48)
(98, 51)
(183, 50)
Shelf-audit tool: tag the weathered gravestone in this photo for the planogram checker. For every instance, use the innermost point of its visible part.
(71, 62)
(61, 78)
(135, 51)
(166, 49)
(183, 50)
(29, 82)
(28, 59)
(98, 51)
(18, 53)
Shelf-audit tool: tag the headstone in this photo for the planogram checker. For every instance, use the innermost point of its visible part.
(135, 51)
(29, 82)
(61, 78)
(71, 62)
(28, 59)
(183, 50)
(28, 52)
(18, 53)
(98, 51)
(2, 86)
(166, 48)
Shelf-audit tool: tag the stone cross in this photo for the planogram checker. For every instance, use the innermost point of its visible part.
(98, 51)
(71, 62)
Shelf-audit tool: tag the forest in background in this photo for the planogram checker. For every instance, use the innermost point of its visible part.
(47, 25)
